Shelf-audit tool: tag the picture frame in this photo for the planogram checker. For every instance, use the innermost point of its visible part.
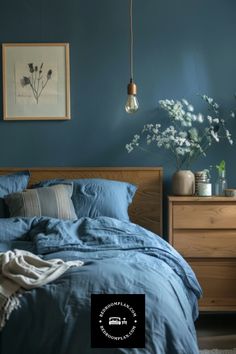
(36, 81)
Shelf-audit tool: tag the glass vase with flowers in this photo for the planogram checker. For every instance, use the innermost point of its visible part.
(188, 137)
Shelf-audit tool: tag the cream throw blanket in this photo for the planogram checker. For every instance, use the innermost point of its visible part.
(21, 270)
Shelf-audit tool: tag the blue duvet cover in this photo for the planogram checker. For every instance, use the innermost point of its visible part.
(120, 258)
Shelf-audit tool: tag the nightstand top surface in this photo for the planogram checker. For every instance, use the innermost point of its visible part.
(173, 198)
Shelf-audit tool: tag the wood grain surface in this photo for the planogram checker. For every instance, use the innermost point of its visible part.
(203, 230)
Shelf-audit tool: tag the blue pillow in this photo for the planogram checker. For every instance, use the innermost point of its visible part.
(12, 183)
(98, 197)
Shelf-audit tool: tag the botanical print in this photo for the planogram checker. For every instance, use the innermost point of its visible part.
(36, 83)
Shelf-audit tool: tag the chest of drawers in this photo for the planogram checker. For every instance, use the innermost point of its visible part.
(203, 230)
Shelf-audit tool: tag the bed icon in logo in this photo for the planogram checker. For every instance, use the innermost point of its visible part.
(114, 321)
(117, 321)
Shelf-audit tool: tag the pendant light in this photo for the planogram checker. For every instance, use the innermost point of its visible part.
(132, 101)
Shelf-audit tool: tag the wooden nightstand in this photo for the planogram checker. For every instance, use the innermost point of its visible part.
(203, 230)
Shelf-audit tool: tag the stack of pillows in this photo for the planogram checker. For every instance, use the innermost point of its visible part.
(64, 199)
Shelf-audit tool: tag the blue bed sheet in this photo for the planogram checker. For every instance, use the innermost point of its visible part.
(120, 258)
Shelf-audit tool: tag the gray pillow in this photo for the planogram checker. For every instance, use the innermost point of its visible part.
(54, 202)
(15, 182)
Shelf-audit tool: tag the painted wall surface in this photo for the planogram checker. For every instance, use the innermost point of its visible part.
(182, 48)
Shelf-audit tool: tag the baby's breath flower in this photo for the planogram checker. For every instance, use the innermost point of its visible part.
(129, 147)
(216, 120)
(190, 108)
(185, 102)
(215, 136)
(200, 118)
(209, 118)
(183, 138)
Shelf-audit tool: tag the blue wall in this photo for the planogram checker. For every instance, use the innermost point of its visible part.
(182, 47)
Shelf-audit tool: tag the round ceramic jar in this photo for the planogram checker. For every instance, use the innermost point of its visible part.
(204, 189)
(200, 177)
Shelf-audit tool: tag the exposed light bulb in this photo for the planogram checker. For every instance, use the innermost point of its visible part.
(132, 101)
(131, 104)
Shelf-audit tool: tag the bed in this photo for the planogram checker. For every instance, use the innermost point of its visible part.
(120, 256)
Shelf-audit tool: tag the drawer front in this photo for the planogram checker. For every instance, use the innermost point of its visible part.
(204, 215)
(205, 243)
(218, 281)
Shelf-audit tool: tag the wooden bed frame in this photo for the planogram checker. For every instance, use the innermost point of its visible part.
(146, 209)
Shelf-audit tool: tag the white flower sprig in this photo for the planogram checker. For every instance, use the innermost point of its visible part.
(189, 135)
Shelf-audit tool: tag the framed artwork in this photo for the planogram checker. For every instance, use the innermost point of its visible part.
(36, 81)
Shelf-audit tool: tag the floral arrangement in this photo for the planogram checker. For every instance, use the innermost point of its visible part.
(189, 135)
(35, 80)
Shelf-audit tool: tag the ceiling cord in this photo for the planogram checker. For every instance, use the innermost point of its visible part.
(131, 40)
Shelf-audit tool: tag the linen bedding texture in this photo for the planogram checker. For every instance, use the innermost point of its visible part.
(119, 258)
(21, 270)
(94, 197)
(54, 201)
(15, 182)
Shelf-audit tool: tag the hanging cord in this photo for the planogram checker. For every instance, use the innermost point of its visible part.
(131, 40)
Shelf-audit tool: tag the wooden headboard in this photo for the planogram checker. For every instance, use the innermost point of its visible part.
(146, 209)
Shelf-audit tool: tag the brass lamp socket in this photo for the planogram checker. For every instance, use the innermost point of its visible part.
(132, 89)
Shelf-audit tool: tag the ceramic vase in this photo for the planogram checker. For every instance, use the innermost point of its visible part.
(183, 183)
